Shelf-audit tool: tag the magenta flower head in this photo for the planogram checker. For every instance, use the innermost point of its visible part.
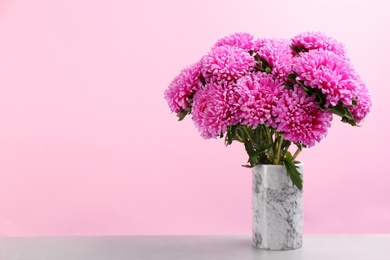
(241, 40)
(300, 119)
(270, 94)
(256, 97)
(316, 41)
(330, 73)
(363, 100)
(226, 63)
(182, 88)
(277, 53)
(212, 109)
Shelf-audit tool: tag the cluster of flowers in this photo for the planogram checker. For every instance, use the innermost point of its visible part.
(291, 86)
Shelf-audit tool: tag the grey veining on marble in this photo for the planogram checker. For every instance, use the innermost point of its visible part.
(277, 205)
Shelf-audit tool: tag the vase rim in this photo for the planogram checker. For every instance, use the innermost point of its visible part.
(277, 165)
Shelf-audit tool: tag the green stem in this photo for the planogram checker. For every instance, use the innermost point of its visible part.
(285, 150)
(278, 148)
(296, 154)
(269, 135)
(249, 136)
(275, 147)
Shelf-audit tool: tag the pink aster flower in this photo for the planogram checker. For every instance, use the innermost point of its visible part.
(227, 63)
(317, 41)
(300, 119)
(241, 40)
(328, 72)
(363, 99)
(182, 88)
(256, 96)
(212, 110)
(277, 53)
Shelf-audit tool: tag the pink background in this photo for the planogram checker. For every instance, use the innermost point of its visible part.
(88, 145)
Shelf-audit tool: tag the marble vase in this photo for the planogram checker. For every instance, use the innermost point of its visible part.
(277, 209)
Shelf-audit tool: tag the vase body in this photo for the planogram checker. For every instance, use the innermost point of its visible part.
(277, 206)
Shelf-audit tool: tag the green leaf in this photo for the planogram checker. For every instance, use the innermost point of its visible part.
(253, 155)
(352, 121)
(231, 134)
(257, 58)
(265, 63)
(262, 64)
(288, 156)
(338, 110)
(240, 133)
(183, 114)
(270, 157)
(266, 146)
(254, 158)
(286, 143)
(228, 136)
(354, 102)
(348, 113)
(298, 49)
(250, 130)
(256, 135)
(257, 68)
(292, 76)
(256, 146)
(292, 171)
(344, 113)
(318, 99)
(249, 148)
(264, 159)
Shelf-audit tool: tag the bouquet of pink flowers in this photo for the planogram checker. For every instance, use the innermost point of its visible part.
(270, 93)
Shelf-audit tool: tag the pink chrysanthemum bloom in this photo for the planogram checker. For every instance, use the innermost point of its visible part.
(317, 41)
(182, 88)
(256, 96)
(328, 72)
(277, 53)
(212, 110)
(300, 119)
(226, 63)
(241, 40)
(363, 99)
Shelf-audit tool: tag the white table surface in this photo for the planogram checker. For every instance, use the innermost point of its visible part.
(315, 247)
